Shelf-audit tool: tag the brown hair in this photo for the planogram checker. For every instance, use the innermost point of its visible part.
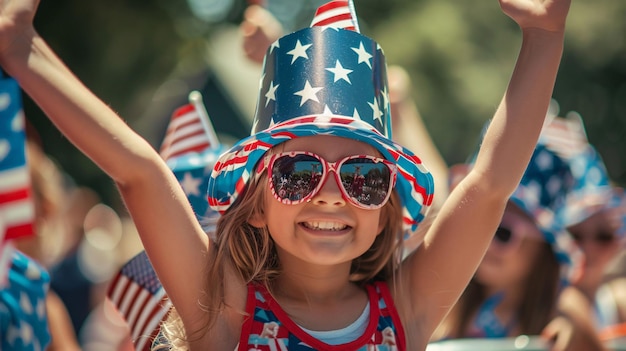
(533, 313)
(252, 253)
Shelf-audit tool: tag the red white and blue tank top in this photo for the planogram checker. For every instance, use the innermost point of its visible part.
(269, 328)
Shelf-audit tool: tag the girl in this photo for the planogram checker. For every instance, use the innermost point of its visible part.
(320, 267)
(518, 287)
(595, 215)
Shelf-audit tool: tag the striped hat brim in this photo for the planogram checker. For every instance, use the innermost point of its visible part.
(235, 167)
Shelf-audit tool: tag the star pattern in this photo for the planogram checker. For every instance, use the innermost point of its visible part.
(318, 82)
(364, 56)
(308, 93)
(299, 51)
(190, 184)
(330, 67)
(22, 304)
(271, 93)
(376, 112)
(340, 72)
(542, 194)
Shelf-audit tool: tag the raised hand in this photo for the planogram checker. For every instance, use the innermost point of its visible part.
(546, 15)
(259, 29)
(16, 20)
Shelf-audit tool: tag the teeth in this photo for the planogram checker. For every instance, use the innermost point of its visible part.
(325, 225)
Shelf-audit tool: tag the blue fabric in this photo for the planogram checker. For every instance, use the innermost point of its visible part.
(23, 318)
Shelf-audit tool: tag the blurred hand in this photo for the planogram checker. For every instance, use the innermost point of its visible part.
(259, 29)
(546, 15)
(572, 329)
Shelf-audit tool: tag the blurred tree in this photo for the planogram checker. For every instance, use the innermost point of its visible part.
(460, 55)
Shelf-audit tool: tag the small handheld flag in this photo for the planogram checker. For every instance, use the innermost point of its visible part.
(138, 295)
(17, 212)
(23, 282)
(189, 130)
(190, 149)
(336, 14)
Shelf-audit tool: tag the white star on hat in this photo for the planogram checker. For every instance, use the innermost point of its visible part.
(308, 93)
(299, 51)
(271, 93)
(377, 113)
(364, 56)
(340, 72)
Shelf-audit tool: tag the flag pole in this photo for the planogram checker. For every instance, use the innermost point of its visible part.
(353, 13)
(195, 98)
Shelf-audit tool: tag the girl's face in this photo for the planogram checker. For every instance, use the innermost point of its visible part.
(509, 258)
(596, 237)
(328, 229)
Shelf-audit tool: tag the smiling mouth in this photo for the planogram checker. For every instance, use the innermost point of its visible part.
(325, 226)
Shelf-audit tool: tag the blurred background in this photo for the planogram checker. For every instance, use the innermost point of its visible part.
(143, 58)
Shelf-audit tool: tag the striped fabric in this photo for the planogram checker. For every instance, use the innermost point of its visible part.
(186, 133)
(139, 296)
(335, 14)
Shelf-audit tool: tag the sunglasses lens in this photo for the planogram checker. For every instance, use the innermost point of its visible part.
(296, 176)
(602, 238)
(503, 235)
(605, 238)
(366, 181)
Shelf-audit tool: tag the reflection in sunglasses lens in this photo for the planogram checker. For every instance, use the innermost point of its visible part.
(365, 181)
(503, 235)
(295, 177)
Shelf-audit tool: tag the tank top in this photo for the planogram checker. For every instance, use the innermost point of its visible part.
(269, 328)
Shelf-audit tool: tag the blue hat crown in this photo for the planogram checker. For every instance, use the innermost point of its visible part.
(324, 71)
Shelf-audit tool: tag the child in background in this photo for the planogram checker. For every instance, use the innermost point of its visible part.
(320, 268)
(520, 287)
(595, 214)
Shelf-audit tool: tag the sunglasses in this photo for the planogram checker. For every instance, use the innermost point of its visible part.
(508, 238)
(602, 238)
(297, 176)
(503, 235)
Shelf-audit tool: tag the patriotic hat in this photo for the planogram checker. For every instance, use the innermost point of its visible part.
(323, 80)
(592, 190)
(542, 194)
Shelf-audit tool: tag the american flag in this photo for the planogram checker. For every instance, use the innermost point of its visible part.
(335, 14)
(17, 211)
(136, 290)
(139, 296)
(189, 130)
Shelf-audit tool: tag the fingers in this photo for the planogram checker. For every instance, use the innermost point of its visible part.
(259, 29)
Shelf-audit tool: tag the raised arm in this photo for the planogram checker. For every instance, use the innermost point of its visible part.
(171, 235)
(461, 233)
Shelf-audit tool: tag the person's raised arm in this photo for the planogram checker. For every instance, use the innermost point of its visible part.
(171, 235)
(441, 268)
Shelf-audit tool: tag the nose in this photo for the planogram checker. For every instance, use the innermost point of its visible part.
(330, 192)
